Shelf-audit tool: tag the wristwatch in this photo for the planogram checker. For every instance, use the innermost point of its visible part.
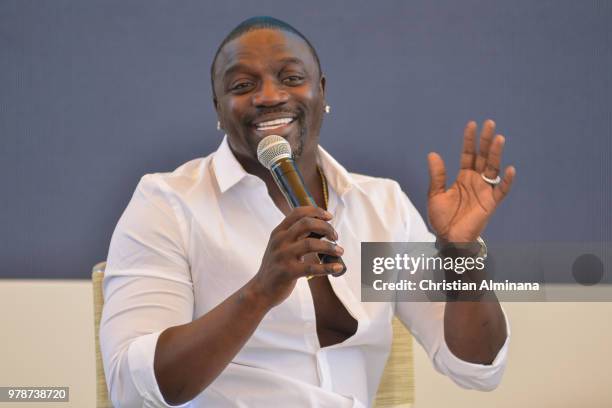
(446, 248)
(483, 248)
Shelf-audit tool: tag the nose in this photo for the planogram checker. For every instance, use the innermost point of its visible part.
(270, 93)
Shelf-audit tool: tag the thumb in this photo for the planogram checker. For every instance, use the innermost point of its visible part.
(437, 174)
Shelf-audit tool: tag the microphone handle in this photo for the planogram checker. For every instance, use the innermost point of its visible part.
(290, 182)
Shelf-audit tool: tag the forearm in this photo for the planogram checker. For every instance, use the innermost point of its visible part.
(189, 357)
(475, 331)
(474, 324)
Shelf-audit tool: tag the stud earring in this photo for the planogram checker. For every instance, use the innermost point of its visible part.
(218, 125)
(327, 109)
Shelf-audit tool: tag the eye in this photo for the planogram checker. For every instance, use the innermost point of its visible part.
(241, 87)
(293, 80)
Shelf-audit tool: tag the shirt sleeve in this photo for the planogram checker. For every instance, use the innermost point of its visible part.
(425, 320)
(147, 288)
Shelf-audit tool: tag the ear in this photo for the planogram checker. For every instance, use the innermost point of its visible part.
(322, 84)
(216, 104)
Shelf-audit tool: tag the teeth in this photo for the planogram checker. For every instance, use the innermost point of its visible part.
(273, 124)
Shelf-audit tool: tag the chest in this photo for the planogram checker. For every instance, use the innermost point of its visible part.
(334, 323)
(227, 241)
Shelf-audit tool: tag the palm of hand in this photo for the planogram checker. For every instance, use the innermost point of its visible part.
(461, 212)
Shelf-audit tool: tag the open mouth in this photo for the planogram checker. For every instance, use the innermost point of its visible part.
(274, 124)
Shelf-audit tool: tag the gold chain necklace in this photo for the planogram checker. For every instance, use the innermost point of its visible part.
(324, 184)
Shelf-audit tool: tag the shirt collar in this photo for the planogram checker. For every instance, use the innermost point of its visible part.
(229, 171)
(338, 178)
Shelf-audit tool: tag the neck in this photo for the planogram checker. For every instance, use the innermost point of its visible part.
(307, 165)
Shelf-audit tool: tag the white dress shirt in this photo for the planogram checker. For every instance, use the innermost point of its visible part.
(190, 238)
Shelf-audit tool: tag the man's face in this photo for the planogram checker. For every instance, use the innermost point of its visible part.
(267, 83)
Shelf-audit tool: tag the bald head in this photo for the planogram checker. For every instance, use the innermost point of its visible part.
(256, 23)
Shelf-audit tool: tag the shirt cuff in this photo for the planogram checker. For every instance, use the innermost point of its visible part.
(484, 377)
(141, 355)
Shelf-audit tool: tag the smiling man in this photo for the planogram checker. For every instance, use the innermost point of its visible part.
(205, 304)
(246, 74)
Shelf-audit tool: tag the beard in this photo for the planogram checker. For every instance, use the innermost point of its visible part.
(299, 143)
(296, 141)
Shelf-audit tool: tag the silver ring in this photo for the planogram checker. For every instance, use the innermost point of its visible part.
(492, 182)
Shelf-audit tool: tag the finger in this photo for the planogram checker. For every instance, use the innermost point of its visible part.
(468, 154)
(313, 245)
(486, 135)
(495, 154)
(437, 174)
(305, 226)
(300, 212)
(501, 190)
(315, 269)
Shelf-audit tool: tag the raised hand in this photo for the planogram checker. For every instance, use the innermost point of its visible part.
(461, 212)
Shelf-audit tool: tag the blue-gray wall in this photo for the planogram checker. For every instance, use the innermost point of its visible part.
(94, 94)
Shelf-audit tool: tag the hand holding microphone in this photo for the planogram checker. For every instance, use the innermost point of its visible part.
(305, 230)
(274, 153)
(290, 242)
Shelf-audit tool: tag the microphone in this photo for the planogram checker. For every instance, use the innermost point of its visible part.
(274, 153)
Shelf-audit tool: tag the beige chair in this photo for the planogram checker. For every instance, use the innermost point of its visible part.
(97, 275)
(396, 389)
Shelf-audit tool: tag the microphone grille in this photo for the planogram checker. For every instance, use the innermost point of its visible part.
(271, 149)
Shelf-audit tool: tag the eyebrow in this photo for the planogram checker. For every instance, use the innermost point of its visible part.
(235, 67)
(292, 60)
(238, 66)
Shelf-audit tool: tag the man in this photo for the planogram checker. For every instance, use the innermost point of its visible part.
(204, 301)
